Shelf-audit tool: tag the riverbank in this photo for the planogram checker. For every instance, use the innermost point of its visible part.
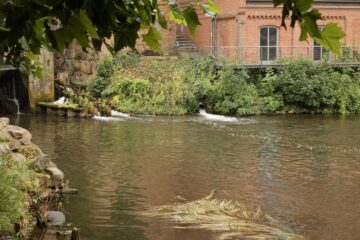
(131, 84)
(31, 186)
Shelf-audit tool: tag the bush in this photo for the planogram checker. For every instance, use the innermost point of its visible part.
(233, 94)
(307, 85)
(104, 71)
(177, 87)
(17, 180)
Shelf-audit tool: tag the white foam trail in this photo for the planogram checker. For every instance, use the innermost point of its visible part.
(119, 114)
(106, 119)
(61, 100)
(213, 117)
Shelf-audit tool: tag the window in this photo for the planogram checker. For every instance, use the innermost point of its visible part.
(172, 2)
(319, 51)
(268, 43)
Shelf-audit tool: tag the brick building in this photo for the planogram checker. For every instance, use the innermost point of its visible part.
(249, 31)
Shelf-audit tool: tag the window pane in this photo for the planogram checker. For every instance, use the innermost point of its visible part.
(272, 36)
(317, 53)
(263, 37)
(264, 54)
(272, 53)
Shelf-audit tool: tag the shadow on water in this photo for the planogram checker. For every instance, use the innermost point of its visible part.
(303, 171)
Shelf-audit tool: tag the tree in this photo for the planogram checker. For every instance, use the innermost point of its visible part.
(26, 26)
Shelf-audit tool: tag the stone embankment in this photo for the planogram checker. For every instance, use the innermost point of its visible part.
(46, 205)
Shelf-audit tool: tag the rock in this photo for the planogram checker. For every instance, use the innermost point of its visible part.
(4, 148)
(19, 133)
(70, 191)
(32, 151)
(4, 122)
(55, 218)
(16, 136)
(17, 157)
(86, 67)
(57, 176)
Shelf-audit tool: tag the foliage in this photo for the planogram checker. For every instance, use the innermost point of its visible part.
(161, 90)
(106, 67)
(16, 182)
(26, 26)
(234, 95)
(301, 12)
(313, 87)
(104, 71)
(179, 86)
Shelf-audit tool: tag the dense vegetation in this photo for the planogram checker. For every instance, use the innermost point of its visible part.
(17, 184)
(28, 26)
(178, 86)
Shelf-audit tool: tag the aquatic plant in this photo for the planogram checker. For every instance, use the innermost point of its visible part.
(227, 218)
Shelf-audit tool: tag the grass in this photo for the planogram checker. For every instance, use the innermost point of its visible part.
(229, 219)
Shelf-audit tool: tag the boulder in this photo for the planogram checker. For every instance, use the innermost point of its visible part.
(55, 218)
(21, 134)
(57, 176)
(4, 122)
(4, 148)
(31, 151)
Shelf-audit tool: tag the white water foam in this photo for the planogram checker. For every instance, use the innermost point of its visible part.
(213, 117)
(61, 100)
(119, 114)
(106, 119)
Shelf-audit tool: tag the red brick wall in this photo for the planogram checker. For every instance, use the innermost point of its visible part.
(239, 25)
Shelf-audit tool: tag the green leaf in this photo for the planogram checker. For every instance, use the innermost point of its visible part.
(330, 37)
(176, 15)
(3, 28)
(152, 39)
(88, 25)
(303, 5)
(212, 7)
(191, 19)
(76, 28)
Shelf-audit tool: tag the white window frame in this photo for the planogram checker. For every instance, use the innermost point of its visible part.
(269, 46)
(323, 51)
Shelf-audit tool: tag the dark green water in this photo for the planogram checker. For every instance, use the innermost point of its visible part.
(302, 170)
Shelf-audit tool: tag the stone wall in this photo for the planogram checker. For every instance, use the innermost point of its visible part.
(42, 89)
(75, 66)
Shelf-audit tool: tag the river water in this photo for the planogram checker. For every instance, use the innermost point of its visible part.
(302, 170)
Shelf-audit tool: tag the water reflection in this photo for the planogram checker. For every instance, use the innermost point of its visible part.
(302, 170)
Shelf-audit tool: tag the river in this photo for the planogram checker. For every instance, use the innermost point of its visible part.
(302, 170)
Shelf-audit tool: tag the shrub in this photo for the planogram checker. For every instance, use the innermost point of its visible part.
(17, 180)
(104, 71)
(302, 84)
(233, 94)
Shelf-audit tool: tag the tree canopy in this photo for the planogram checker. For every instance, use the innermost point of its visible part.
(26, 26)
